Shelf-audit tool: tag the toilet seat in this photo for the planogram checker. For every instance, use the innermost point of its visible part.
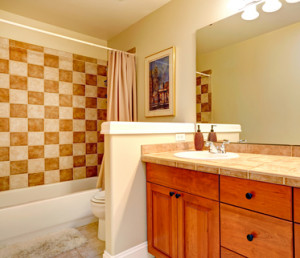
(99, 197)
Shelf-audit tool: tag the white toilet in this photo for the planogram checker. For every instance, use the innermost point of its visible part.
(98, 209)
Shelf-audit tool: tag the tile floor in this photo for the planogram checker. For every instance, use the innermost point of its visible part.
(94, 248)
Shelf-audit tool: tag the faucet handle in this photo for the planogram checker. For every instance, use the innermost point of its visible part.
(208, 143)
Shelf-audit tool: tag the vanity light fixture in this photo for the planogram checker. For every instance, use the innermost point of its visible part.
(271, 6)
(292, 1)
(250, 13)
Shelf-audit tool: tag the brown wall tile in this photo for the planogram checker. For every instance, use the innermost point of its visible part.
(4, 153)
(198, 81)
(79, 66)
(4, 67)
(4, 124)
(51, 138)
(35, 179)
(205, 107)
(281, 150)
(100, 137)
(18, 139)
(102, 114)
(79, 89)
(102, 92)
(4, 95)
(18, 167)
(65, 125)
(91, 148)
(85, 58)
(91, 171)
(51, 112)
(91, 79)
(51, 164)
(66, 174)
(51, 60)
(100, 158)
(18, 110)
(35, 152)
(65, 76)
(296, 151)
(35, 71)
(66, 150)
(18, 54)
(51, 86)
(78, 137)
(35, 125)
(78, 113)
(91, 125)
(79, 161)
(4, 183)
(18, 82)
(101, 70)
(35, 98)
(28, 46)
(65, 100)
(91, 102)
(204, 88)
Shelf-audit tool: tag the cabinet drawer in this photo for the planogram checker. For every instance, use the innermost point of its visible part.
(271, 199)
(297, 240)
(271, 236)
(198, 183)
(297, 205)
(225, 253)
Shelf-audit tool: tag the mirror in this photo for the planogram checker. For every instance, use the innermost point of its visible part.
(248, 73)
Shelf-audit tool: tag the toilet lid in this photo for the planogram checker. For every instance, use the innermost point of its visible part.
(98, 201)
(99, 197)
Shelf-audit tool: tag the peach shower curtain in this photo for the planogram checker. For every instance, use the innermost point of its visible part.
(121, 93)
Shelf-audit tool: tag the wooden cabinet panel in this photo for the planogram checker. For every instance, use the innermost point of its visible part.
(198, 183)
(272, 237)
(297, 240)
(267, 198)
(225, 253)
(198, 227)
(162, 221)
(297, 205)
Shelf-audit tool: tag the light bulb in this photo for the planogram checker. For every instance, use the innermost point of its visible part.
(250, 13)
(292, 1)
(271, 6)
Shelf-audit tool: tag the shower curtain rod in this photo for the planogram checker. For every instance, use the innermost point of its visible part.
(208, 75)
(61, 36)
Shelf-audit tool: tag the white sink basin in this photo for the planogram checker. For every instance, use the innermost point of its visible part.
(205, 155)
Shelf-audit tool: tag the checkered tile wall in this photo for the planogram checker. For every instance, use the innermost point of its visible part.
(203, 95)
(52, 104)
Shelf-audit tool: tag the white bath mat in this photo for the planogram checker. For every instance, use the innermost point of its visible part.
(45, 246)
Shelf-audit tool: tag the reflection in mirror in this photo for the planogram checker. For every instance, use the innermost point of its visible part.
(251, 75)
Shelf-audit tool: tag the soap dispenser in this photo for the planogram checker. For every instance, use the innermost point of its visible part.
(199, 140)
(212, 136)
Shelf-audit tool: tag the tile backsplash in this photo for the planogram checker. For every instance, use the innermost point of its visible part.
(203, 98)
(52, 105)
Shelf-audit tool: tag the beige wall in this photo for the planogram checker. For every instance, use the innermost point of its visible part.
(38, 38)
(175, 24)
(255, 83)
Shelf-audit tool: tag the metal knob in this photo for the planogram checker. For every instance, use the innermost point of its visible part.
(250, 237)
(249, 196)
(177, 195)
(171, 194)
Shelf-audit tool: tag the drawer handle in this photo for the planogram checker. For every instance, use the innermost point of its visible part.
(171, 194)
(177, 195)
(249, 196)
(250, 237)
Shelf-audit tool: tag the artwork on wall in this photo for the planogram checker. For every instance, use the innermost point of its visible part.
(160, 83)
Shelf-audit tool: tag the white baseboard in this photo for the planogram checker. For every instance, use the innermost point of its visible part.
(139, 251)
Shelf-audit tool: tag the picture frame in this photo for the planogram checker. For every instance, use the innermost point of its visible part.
(160, 83)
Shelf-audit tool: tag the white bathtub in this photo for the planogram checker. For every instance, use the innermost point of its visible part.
(42, 209)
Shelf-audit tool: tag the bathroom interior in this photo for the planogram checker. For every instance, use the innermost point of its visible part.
(92, 165)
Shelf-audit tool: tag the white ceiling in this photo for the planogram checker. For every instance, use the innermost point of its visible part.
(98, 18)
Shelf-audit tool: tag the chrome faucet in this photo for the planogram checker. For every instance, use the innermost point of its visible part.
(216, 150)
(222, 148)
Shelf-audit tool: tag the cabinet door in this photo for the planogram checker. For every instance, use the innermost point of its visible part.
(198, 227)
(162, 218)
(297, 240)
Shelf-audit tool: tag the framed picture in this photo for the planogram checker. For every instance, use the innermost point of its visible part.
(160, 83)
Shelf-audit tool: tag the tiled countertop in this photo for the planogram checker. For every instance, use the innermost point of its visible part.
(266, 168)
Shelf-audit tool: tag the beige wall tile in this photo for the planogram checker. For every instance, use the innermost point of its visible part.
(91, 137)
(4, 139)
(101, 81)
(18, 68)
(4, 53)
(35, 111)
(65, 112)
(18, 124)
(35, 57)
(65, 88)
(18, 153)
(101, 103)
(52, 151)
(35, 84)
(79, 149)
(100, 146)
(52, 176)
(91, 160)
(4, 42)
(4, 109)
(51, 125)
(65, 137)
(79, 173)
(4, 168)
(78, 125)
(66, 162)
(65, 63)
(78, 78)
(18, 181)
(91, 114)
(101, 62)
(79, 101)
(18, 96)
(4, 80)
(51, 73)
(35, 138)
(36, 165)
(58, 52)
(91, 91)
(51, 99)
(91, 68)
